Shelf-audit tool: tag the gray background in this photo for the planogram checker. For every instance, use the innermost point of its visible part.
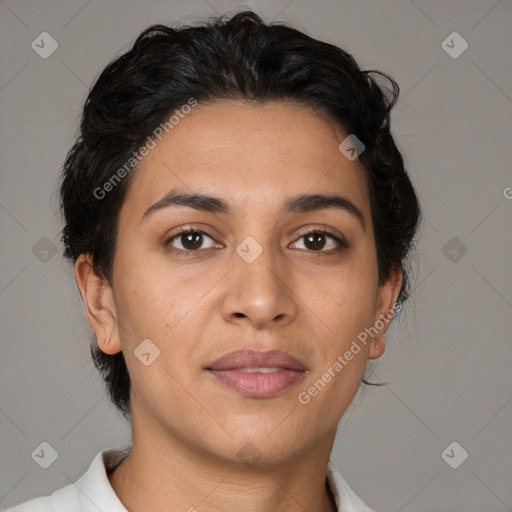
(448, 359)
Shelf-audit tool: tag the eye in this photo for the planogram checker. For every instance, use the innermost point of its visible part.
(321, 241)
(190, 240)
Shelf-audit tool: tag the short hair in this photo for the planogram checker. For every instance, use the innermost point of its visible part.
(235, 58)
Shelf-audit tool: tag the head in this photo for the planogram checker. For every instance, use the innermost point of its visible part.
(237, 131)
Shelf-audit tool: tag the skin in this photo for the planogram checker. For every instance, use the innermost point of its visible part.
(195, 307)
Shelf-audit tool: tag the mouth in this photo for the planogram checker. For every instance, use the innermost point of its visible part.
(256, 374)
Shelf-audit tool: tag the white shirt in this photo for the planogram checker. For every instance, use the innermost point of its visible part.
(92, 492)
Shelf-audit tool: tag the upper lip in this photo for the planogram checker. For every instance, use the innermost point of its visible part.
(249, 358)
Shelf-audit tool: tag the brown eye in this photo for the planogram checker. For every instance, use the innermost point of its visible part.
(315, 241)
(321, 241)
(189, 240)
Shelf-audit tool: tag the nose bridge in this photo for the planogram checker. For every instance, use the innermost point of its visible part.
(258, 287)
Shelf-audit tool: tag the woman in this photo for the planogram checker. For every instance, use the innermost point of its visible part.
(240, 219)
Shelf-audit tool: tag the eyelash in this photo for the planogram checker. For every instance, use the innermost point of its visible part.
(342, 244)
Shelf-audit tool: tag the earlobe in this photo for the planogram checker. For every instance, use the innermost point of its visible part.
(388, 295)
(99, 305)
(377, 346)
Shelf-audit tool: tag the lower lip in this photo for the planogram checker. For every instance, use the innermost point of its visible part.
(258, 385)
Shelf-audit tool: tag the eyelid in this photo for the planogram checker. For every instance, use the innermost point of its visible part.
(188, 229)
(336, 235)
(191, 229)
(332, 233)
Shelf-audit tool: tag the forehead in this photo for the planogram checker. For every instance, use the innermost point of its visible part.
(249, 154)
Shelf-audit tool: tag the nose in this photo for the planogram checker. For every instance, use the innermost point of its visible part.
(259, 293)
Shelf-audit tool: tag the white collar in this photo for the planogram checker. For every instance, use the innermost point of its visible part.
(93, 492)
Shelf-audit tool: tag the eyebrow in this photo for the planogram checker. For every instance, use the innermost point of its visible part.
(298, 204)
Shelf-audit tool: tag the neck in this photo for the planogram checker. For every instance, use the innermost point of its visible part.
(162, 473)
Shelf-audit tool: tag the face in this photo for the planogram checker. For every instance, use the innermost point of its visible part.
(251, 267)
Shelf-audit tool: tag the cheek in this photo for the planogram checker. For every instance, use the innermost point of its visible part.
(158, 302)
(152, 306)
(150, 296)
(348, 306)
(143, 304)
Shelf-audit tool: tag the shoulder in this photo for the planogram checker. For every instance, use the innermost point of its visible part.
(66, 499)
(346, 499)
(92, 491)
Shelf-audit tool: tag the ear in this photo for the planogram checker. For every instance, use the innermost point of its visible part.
(99, 304)
(385, 306)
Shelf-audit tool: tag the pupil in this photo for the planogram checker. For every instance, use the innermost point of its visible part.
(313, 240)
(189, 240)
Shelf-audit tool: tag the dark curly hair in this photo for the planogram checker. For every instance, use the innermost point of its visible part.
(236, 58)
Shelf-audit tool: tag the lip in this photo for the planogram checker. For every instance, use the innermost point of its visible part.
(228, 370)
